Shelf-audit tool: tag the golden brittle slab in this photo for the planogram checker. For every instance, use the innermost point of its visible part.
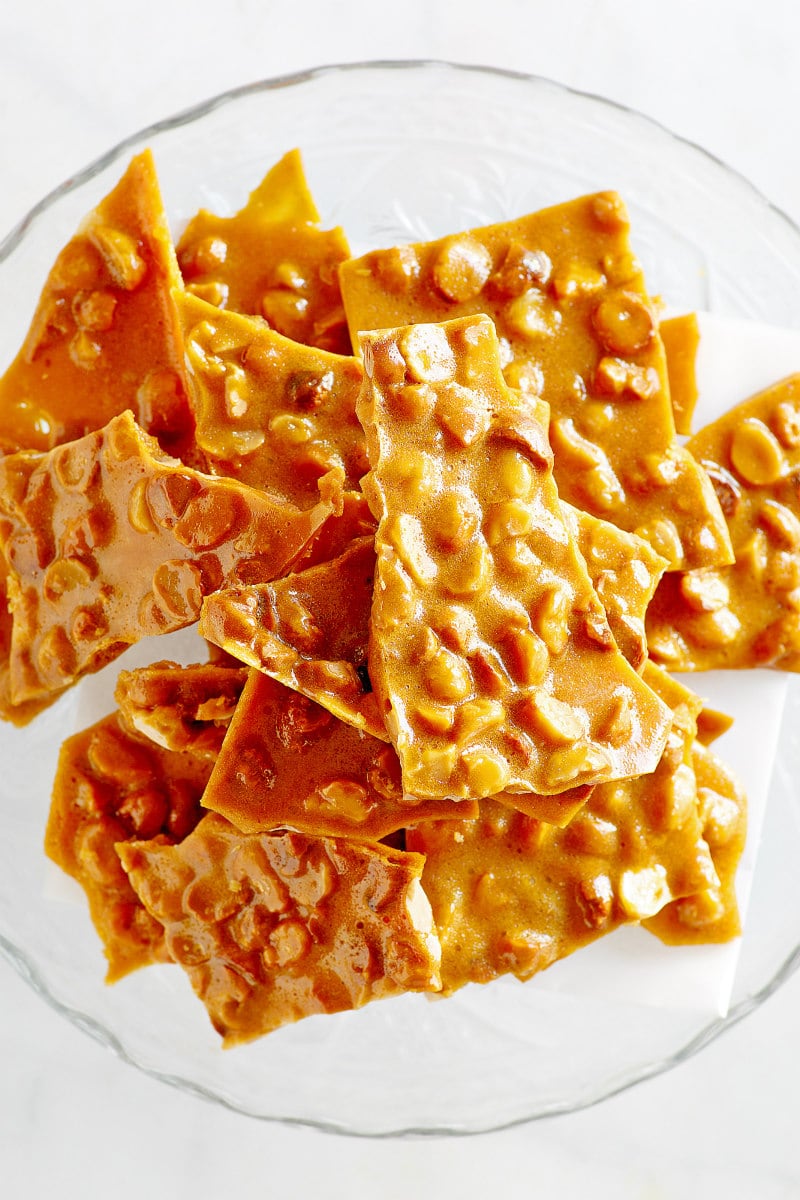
(490, 652)
(578, 330)
(271, 928)
(108, 541)
(746, 614)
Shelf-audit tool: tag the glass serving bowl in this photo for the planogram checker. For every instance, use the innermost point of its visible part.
(395, 152)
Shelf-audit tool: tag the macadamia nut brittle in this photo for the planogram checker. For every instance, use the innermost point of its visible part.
(112, 785)
(747, 614)
(108, 541)
(489, 649)
(288, 762)
(105, 336)
(578, 330)
(268, 410)
(181, 708)
(513, 895)
(274, 927)
(271, 258)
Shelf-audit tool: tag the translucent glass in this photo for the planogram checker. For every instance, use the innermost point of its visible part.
(397, 151)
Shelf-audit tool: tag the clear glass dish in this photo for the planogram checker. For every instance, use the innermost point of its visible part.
(396, 151)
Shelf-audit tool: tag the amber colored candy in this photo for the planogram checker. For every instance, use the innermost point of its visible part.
(350, 521)
(489, 652)
(747, 614)
(271, 928)
(269, 411)
(17, 714)
(711, 914)
(624, 570)
(681, 337)
(711, 724)
(272, 259)
(578, 330)
(308, 630)
(181, 708)
(105, 336)
(112, 785)
(108, 541)
(511, 895)
(287, 762)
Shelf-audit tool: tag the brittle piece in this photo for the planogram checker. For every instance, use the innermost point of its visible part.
(511, 895)
(271, 258)
(108, 541)
(112, 785)
(181, 708)
(18, 714)
(681, 337)
(747, 614)
(350, 521)
(624, 570)
(711, 914)
(272, 928)
(105, 336)
(269, 411)
(490, 652)
(287, 762)
(578, 330)
(308, 630)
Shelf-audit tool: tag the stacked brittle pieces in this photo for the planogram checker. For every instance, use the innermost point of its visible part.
(418, 505)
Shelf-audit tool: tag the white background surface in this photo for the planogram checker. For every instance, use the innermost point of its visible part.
(75, 78)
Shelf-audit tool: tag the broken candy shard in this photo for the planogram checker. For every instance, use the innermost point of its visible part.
(710, 915)
(511, 895)
(105, 336)
(287, 762)
(308, 630)
(578, 331)
(112, 785)
(624, 570)
(681, 337)
(108, 541)
(272, 259)
(746, 614)
(181, 708)
(490, 652)
(271, 928)
(269, 411)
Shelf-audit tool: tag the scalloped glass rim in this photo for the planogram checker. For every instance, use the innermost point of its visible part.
(709, 240)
